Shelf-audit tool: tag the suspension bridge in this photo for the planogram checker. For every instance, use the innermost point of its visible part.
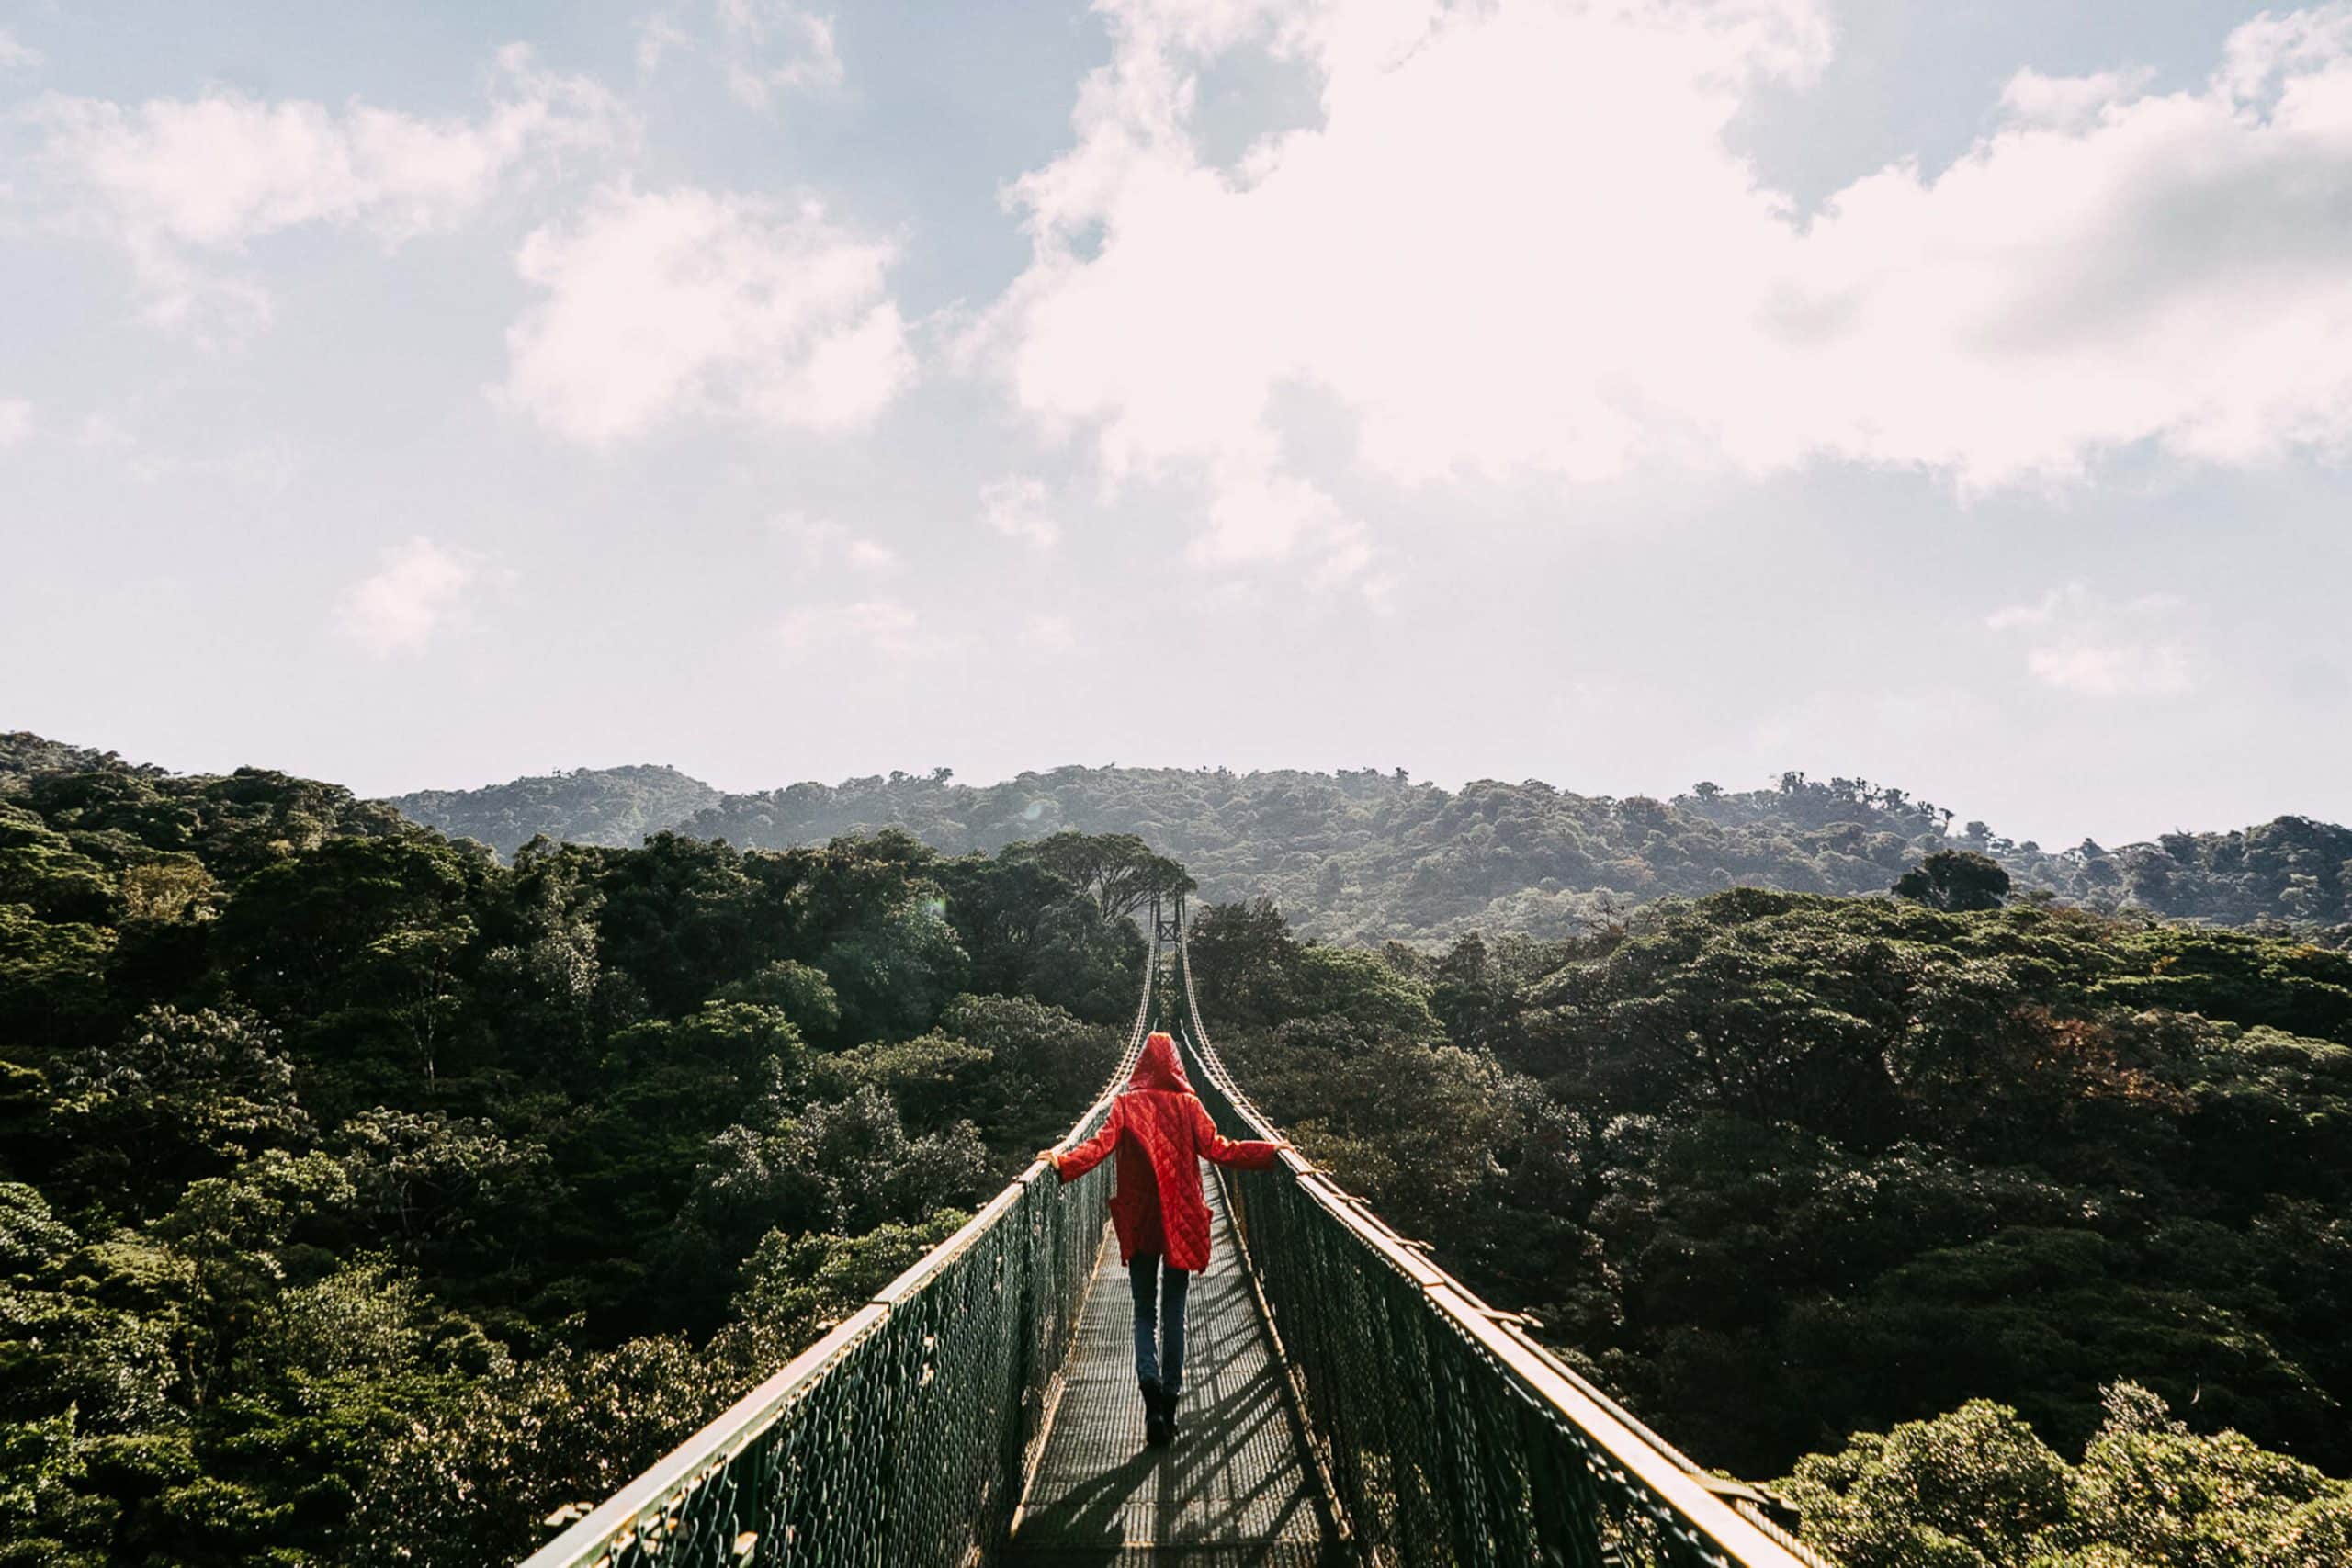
(1348, 1402)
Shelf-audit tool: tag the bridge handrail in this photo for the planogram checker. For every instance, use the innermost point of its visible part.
(1628, 1484)
(670, 1514)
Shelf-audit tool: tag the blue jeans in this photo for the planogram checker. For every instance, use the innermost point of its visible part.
(1146, 1272)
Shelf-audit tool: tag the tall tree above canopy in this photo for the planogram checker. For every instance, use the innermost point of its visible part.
(1955, 880)
(1119, 871)
(1242, 958)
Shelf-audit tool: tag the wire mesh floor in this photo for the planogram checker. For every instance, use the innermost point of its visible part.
(1234, 1490)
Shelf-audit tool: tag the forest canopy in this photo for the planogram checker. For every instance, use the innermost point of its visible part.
(362, 1193)
(362, 1196)
(1876, 1196)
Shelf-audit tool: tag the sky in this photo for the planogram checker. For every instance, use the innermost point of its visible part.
(1620, 393)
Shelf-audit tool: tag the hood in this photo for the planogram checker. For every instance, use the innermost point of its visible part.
(1159, 1068)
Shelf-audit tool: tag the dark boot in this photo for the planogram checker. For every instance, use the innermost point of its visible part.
(1168, 1397)
(1155, 1428)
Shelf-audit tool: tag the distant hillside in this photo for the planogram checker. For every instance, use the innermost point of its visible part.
(117, 813)
(1368, 856)
(616, 806)
(25, 756)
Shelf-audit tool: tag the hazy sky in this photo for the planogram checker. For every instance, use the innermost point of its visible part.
(1621, 394)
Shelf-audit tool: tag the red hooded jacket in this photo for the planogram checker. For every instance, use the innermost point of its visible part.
(1161, 1131)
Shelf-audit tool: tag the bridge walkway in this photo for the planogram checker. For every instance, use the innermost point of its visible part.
(1234, 1490)
(911, 1434)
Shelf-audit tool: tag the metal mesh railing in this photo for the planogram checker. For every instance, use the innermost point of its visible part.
(1447, 1436)
(903, 1435)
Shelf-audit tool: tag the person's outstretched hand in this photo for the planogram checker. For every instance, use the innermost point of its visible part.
(1050, 1159)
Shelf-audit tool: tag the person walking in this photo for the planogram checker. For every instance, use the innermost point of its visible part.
(1161, 1133)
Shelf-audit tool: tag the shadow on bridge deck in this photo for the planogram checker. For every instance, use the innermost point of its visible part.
(1236, 1490)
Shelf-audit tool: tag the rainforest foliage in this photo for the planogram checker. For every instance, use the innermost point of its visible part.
(360, 1194)
(1978, 1488)
(1368, 857)
(1783, 1169)
(364, 1198)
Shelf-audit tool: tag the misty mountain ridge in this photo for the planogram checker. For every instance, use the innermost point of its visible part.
(613, 806)
(1365, 856)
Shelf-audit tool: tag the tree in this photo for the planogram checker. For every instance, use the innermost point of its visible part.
(1119, 871)
(679, 917)
(1955, 880)
(845, 1165)
(1978, 1488)
(1030, 929)
(1241, 957)
(457, 1190)
(798, 990)
(935, 1079)
(757, 1045)
(364, 952)
(470, 1481)
(186, 1095)
(1066, 1055)
(861, 1168)
(1364, 992)
(894, 973)
(797, 1287)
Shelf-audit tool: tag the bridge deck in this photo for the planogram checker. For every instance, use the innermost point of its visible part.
(1234, 1490)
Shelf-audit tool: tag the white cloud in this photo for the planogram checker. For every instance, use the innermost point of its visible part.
(864, 554)
(2080, 642)
(762, 47)
(771, 46)
(2111, 669)
(657, 37)
(1256, 513)
(659, 304)
(882, 629)
(1017, 508)
(182, 183)
(15, 421)
(823, 542)
(101, 430)
(1516, 243)
(16, 54)
(396, 610)
(2069, 102)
